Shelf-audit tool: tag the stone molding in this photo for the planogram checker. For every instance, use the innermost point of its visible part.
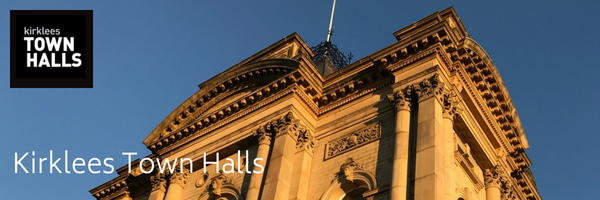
(174, 135)
(353, 140)
(116, 189)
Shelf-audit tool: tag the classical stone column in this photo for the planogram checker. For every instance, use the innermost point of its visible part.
(302, 164)
(402, 101)
(493, 178)
(264, 144)
(159, 184)
(176, 184)
(429, 168)
(450, 112)
(277, 183)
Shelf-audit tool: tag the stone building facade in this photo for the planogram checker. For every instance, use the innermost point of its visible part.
(425, 118)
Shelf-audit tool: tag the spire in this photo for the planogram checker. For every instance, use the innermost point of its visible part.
(328, 58)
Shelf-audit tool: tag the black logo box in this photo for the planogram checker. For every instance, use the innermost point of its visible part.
(72, 23)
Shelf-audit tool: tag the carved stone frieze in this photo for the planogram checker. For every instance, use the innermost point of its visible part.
(353, 140)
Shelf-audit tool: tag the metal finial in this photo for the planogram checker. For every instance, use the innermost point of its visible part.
(331, 22)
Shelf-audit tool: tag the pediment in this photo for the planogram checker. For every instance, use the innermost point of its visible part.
(249, 76)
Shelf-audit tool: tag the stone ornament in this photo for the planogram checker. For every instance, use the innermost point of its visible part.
(286, 124)
(264, 136)
(493, 177)
(347, 169)
(450, 104)
(507, 189)
(306, 141)
(353, 140)
(431, 87)
(216, 184)
(202, 180)
(402, 99)
(179, 178)
(159, 182)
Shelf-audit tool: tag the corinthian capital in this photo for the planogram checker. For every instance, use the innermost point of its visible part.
(264, 135)
(493, 177)
(401, 99)
(306, 141)
(431, 87)
(179, 178)
(159, 182)
(450, 105)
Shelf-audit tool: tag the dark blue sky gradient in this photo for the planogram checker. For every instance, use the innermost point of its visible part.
(150, 56)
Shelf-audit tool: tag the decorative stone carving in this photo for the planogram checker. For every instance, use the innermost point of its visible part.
(493, 177)
(277, 127)
(450, 105)
(347, 169)
(402, 99)
(353, 140)
(159, 182)
(202, 180)
(264, 137)
(306, 141)
(179, 178)
(507, 189)
(216, 183)
(431, 87)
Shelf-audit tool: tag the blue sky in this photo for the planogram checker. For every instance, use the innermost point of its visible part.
(150, 56)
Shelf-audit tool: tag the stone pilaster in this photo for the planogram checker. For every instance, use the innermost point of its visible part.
(176, 183)
(264, 145)
(277, 184)
(450, 109)
(302, 165)
(401, 101)
(429, 169)
(493, 182)
(159, 186)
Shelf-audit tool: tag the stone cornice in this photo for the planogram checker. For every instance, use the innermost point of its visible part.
(113, 188)
(224, 115)
(483, 75)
